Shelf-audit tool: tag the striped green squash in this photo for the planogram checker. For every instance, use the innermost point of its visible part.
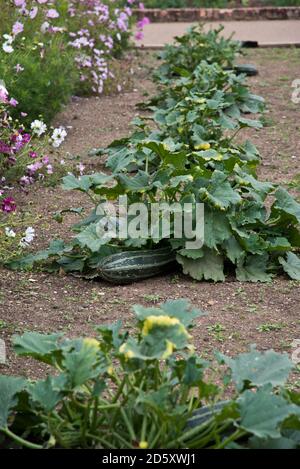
(131, 266)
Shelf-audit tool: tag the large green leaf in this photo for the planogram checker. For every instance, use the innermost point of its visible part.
(83, 363)
(45, 394)
(71, 182)
(291, 265)
(111, 334)
(140, 182)
(272, 443)
(285, 204)
(10, 386)
(219, 192)
(208, 267)
(90, 238)
(263, 412)
(180, 309)
(253, 269)
(259, 368)
(216, 228)
(40, 346)
(56, 247)
(233, 250)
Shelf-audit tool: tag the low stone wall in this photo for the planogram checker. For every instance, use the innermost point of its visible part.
(190, 15)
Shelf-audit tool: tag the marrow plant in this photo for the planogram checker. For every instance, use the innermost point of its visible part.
(185, 151)
(147, 390)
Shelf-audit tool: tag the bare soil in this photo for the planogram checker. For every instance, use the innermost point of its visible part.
(239, 314)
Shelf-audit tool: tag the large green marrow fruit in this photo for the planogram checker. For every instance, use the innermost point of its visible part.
(131, 266)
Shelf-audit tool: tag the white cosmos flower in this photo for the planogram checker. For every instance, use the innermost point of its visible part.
(28, 238)
(38, 127)
(58, 136)
(9, 232)
(7, 48)
(8, 38)
(45, 26)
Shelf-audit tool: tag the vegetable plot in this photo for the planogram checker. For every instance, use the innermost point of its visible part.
(185, 151)
(148, 390)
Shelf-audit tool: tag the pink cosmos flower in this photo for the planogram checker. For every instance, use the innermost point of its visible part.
(52, 13)
(26, 138)
(20, 3)
(18, 28)
(3, 94)
(32, 154)
(32, 168)
(80, 167)
(33, 12)
(18, 68)
(143, 22)
(13, 102)
(4, 148)
(139, 35)
(25, 180)
(8, 205)
(45, 159)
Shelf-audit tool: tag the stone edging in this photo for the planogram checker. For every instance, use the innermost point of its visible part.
(171, 15)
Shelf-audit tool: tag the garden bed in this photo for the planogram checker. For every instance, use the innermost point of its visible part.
(239, 313)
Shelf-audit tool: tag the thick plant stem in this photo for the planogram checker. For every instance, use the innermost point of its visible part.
(18, 439)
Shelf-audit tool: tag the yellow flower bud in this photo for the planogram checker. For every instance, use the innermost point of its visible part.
(143, 444)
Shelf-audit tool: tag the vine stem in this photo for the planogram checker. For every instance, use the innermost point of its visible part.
(237, 434)
(20, 440)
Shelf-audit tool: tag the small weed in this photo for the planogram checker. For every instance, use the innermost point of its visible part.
(269, 327)
(152, 298)
(216, 331)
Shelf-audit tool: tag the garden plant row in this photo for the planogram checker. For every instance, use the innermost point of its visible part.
(148, 389)
(186, 150)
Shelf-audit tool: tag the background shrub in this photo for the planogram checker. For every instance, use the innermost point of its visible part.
(51, 50)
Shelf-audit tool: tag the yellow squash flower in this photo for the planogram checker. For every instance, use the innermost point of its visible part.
(127, 353)
(91, 342)
(202, 146)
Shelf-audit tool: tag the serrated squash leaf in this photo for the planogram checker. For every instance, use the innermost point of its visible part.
(291, 265)
(39, 346)
(253, 269)
(259, 368)
(216, 228)
(208, 267)
(44, 394)
(10, 386)
(286, 205)
(263, 412)
(83, 363)
(90, 238)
